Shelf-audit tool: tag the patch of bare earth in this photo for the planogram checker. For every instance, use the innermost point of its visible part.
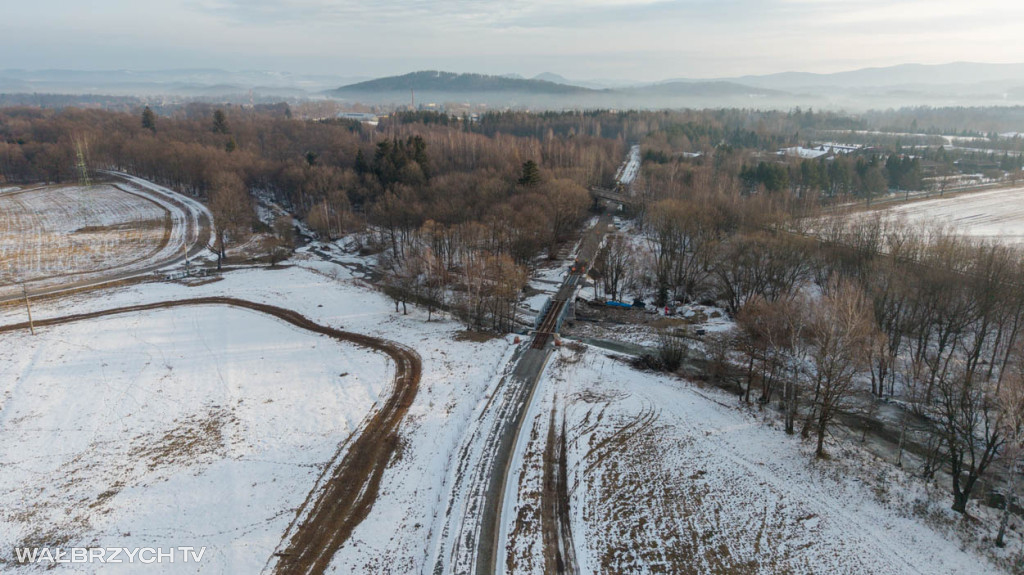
(475, 336)
(198, 437)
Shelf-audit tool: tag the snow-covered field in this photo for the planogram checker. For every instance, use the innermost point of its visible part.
(666, 477)
(997, 214)
(198, 426)
(70, 237)
(208, 426)
(270, 468)
(60, 230)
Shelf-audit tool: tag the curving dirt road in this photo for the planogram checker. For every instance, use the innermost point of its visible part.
(349, 484)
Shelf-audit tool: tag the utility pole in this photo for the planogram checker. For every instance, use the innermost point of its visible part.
(184, 249)
(81, 162)
(28, 308)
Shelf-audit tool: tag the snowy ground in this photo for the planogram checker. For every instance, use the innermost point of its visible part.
(546, 279)
(628, 171)
(544, 284)
(998, 214)
(638, 328)
(666, 477)
(196, 426)
(396, 537)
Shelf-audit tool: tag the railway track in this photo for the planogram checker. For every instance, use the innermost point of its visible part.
(470, 538)
(547, 327)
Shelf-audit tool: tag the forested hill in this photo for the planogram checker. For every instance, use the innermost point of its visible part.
(451, 83)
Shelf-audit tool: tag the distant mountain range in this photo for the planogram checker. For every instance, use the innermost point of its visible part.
(182, 82)
(963, 73)
(955, 84)
(702, 88)
(593, 84)
(546, 90)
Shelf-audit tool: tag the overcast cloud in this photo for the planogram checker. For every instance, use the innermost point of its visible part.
(627, 39)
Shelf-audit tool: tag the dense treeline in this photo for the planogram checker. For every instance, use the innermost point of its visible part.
(950, 121)
(948, 314)
(421, 184)
(838, 312)
(866, 174)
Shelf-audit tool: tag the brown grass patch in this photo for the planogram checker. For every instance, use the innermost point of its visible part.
(668, 322)
(188, 442)
(475, 336)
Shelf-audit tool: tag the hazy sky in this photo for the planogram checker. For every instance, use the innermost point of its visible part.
(626, 39)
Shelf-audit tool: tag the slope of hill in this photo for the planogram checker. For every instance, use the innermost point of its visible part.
(452, 83)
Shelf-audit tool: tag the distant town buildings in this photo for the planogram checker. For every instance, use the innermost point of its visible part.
(818, 150)
(359, 117)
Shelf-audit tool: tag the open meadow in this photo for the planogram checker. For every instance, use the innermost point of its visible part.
(58, 231)
(996, 214)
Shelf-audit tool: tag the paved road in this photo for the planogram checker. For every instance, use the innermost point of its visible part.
(523, 381)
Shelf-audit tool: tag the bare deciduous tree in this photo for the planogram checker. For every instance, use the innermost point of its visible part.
(1011, 403)
(232, 211)
(841, 332)
(615, 265)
